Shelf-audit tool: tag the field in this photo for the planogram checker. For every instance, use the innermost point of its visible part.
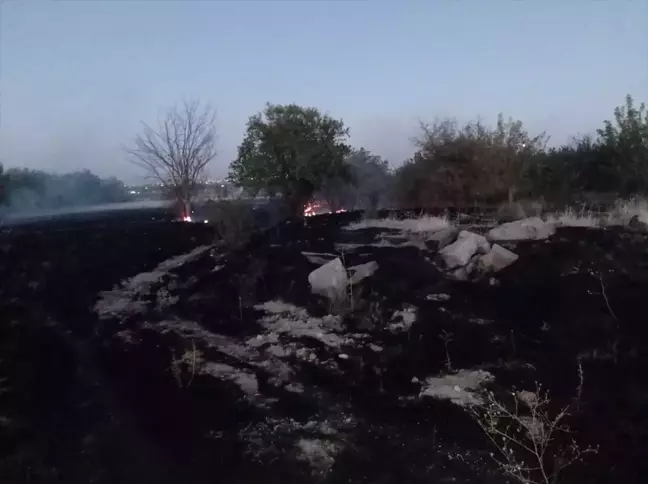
(142, 353)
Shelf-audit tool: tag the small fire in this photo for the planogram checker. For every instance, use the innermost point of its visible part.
(186, 218)
(312, 209)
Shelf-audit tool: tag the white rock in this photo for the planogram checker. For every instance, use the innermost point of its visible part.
(318, 258)
(445, 387)
(330, 280)
(459, 253)
(343, 356)
(442, 238)
(497, 259)
(533, 228)
(362, 271)
(375, 348)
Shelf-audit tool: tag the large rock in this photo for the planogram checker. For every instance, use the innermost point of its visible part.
(497, 259)
(533, 228)
(459, 253)
(362, 271)
(637, 225)
(441, 239)
(330, 280)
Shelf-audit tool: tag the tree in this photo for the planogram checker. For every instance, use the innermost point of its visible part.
(626, 142)
(178, 152)
(289, 150)
(3, 186)
(467, 163)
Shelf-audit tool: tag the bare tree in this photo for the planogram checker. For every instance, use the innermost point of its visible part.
(178, 152)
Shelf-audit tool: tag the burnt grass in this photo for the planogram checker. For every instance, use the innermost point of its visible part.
(79, 405)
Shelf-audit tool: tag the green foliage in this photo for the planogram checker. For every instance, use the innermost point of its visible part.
(625, 143)
(474, 163)
(289, 150)
(615, 161)
(466, 163)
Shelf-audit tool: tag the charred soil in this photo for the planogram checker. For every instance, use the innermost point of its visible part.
(144, 354)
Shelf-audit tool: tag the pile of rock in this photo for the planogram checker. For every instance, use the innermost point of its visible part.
(462, 254)
(465, 254)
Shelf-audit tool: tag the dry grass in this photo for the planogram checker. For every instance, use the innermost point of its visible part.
(621, 214)
(571, 218)
(533, 444)
(424, 223)
(624, 210)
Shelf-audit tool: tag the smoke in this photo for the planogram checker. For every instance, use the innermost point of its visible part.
(33, 190)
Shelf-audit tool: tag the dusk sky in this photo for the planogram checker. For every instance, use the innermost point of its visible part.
(77, 77)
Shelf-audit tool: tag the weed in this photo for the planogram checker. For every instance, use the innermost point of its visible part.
(528, 438)
(447, 337)
(184, 369)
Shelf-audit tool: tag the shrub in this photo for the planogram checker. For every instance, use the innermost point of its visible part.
(232, 222)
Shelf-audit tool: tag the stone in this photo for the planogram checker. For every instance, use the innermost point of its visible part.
(441, 239)
(459, 253)
(637, 225)
(533, 228)
(497, 259)
(330, 280)
(362, 271)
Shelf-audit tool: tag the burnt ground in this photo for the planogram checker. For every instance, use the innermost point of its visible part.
(180, 375)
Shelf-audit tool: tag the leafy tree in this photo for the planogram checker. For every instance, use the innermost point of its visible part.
(177, 153)
(467, 163)
(625, 141)
(289, 150)
(3, 186)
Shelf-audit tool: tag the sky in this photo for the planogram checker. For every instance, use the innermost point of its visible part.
(77, 78)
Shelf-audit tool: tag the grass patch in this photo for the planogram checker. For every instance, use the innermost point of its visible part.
(424, 223)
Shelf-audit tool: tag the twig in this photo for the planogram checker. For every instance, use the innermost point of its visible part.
(607, 301)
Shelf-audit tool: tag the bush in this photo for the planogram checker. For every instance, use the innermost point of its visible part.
(232, 222)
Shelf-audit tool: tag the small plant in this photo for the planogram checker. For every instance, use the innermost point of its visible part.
(184, 369)
(531, 442)
(447, 337)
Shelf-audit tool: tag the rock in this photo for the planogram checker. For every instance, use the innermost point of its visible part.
(362, 271)
(533, 228)
(375, 348)
(460, 274)
(329, 280)
(637, 225)
(497, 259)
(509, 212)
(318, 258)
(459, 253)
(343, 356)
(441, 239)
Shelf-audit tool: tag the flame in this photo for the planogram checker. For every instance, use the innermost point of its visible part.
(310, 209)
